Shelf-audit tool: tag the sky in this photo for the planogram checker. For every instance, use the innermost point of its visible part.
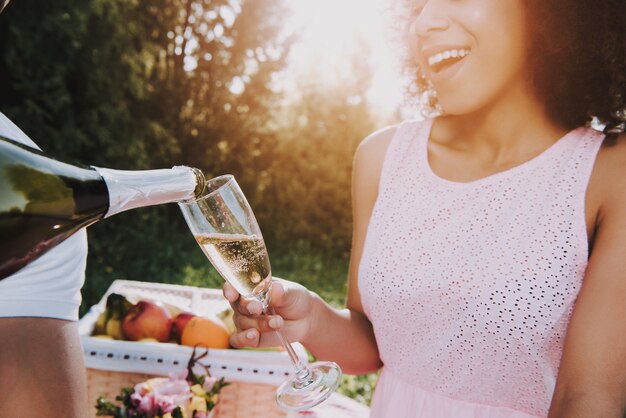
(332, 28)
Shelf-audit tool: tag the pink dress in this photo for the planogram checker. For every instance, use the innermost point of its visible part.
(470, 286)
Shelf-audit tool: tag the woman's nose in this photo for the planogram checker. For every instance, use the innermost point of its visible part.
(429, 17)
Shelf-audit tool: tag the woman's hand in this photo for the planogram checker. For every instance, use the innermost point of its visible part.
(292, 306)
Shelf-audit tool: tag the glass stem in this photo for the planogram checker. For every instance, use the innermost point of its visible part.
(302, 372)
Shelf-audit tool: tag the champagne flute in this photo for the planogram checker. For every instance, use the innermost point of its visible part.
(225, 228)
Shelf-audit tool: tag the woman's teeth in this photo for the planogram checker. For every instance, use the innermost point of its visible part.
(446, 55)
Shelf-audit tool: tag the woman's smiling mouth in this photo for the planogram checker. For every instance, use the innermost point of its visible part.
(439, 61)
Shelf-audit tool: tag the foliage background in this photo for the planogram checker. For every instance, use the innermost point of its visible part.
(132, 84)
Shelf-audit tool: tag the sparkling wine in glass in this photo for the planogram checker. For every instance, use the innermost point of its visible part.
(225, 228)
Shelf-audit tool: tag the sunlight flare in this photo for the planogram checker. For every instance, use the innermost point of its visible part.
(334, 32)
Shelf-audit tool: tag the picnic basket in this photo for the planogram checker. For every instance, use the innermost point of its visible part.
(112, 364)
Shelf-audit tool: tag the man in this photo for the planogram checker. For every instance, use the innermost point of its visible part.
(42, 372)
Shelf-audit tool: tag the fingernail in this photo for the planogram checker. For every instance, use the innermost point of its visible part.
(255, 308)
(276, 322)
(250, 334)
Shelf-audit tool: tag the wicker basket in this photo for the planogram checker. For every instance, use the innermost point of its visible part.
(112, 365)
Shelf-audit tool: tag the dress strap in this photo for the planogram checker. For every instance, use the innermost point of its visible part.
(404, 149)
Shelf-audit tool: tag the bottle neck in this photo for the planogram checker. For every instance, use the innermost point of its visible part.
(134, 189)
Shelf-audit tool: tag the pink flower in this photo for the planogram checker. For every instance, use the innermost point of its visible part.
(143, 398)
(161, 394)
(208, 383)
(172, 394)
(179, 375)
(146, 404)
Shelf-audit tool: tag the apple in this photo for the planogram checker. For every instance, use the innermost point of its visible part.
(147, 319)
(179, 324)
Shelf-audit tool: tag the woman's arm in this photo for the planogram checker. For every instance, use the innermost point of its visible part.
(344, 336)
(355, 342)
(592, 375)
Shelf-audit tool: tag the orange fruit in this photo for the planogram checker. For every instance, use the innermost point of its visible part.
(205, 332)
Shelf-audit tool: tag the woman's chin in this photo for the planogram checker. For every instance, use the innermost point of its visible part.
(458, 107)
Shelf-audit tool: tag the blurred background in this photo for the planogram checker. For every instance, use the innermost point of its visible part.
(277, 92)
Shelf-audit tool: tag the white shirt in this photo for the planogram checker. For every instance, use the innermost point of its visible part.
(49, 286)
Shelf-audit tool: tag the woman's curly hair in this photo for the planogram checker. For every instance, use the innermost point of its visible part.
(576, 61)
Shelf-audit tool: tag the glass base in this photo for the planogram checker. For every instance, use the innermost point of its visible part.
(300, 394)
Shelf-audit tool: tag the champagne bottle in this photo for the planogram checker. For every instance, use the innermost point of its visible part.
(44, 201)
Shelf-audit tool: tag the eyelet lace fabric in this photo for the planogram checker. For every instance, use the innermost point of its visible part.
(470, 286)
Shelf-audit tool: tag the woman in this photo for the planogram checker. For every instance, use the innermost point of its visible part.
(487, 272)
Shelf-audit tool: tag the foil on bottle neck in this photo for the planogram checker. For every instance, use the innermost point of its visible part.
(134, 189)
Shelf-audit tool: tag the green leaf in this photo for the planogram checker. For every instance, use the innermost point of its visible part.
(107, 408)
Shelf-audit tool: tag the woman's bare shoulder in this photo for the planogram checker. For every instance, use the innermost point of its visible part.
(373, 147)
(379, 138)
(610, 170)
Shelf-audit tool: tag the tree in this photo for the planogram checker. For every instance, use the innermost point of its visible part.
(309, 179)
(136, 85)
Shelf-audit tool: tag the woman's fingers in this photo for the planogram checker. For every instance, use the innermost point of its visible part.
(277, 293)
(230, 293)
(279, 297)
(240, 304)
(290, 300)
(245, 338)
(263, 323)
(256, 331)
(248, 306)
(251, 338)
